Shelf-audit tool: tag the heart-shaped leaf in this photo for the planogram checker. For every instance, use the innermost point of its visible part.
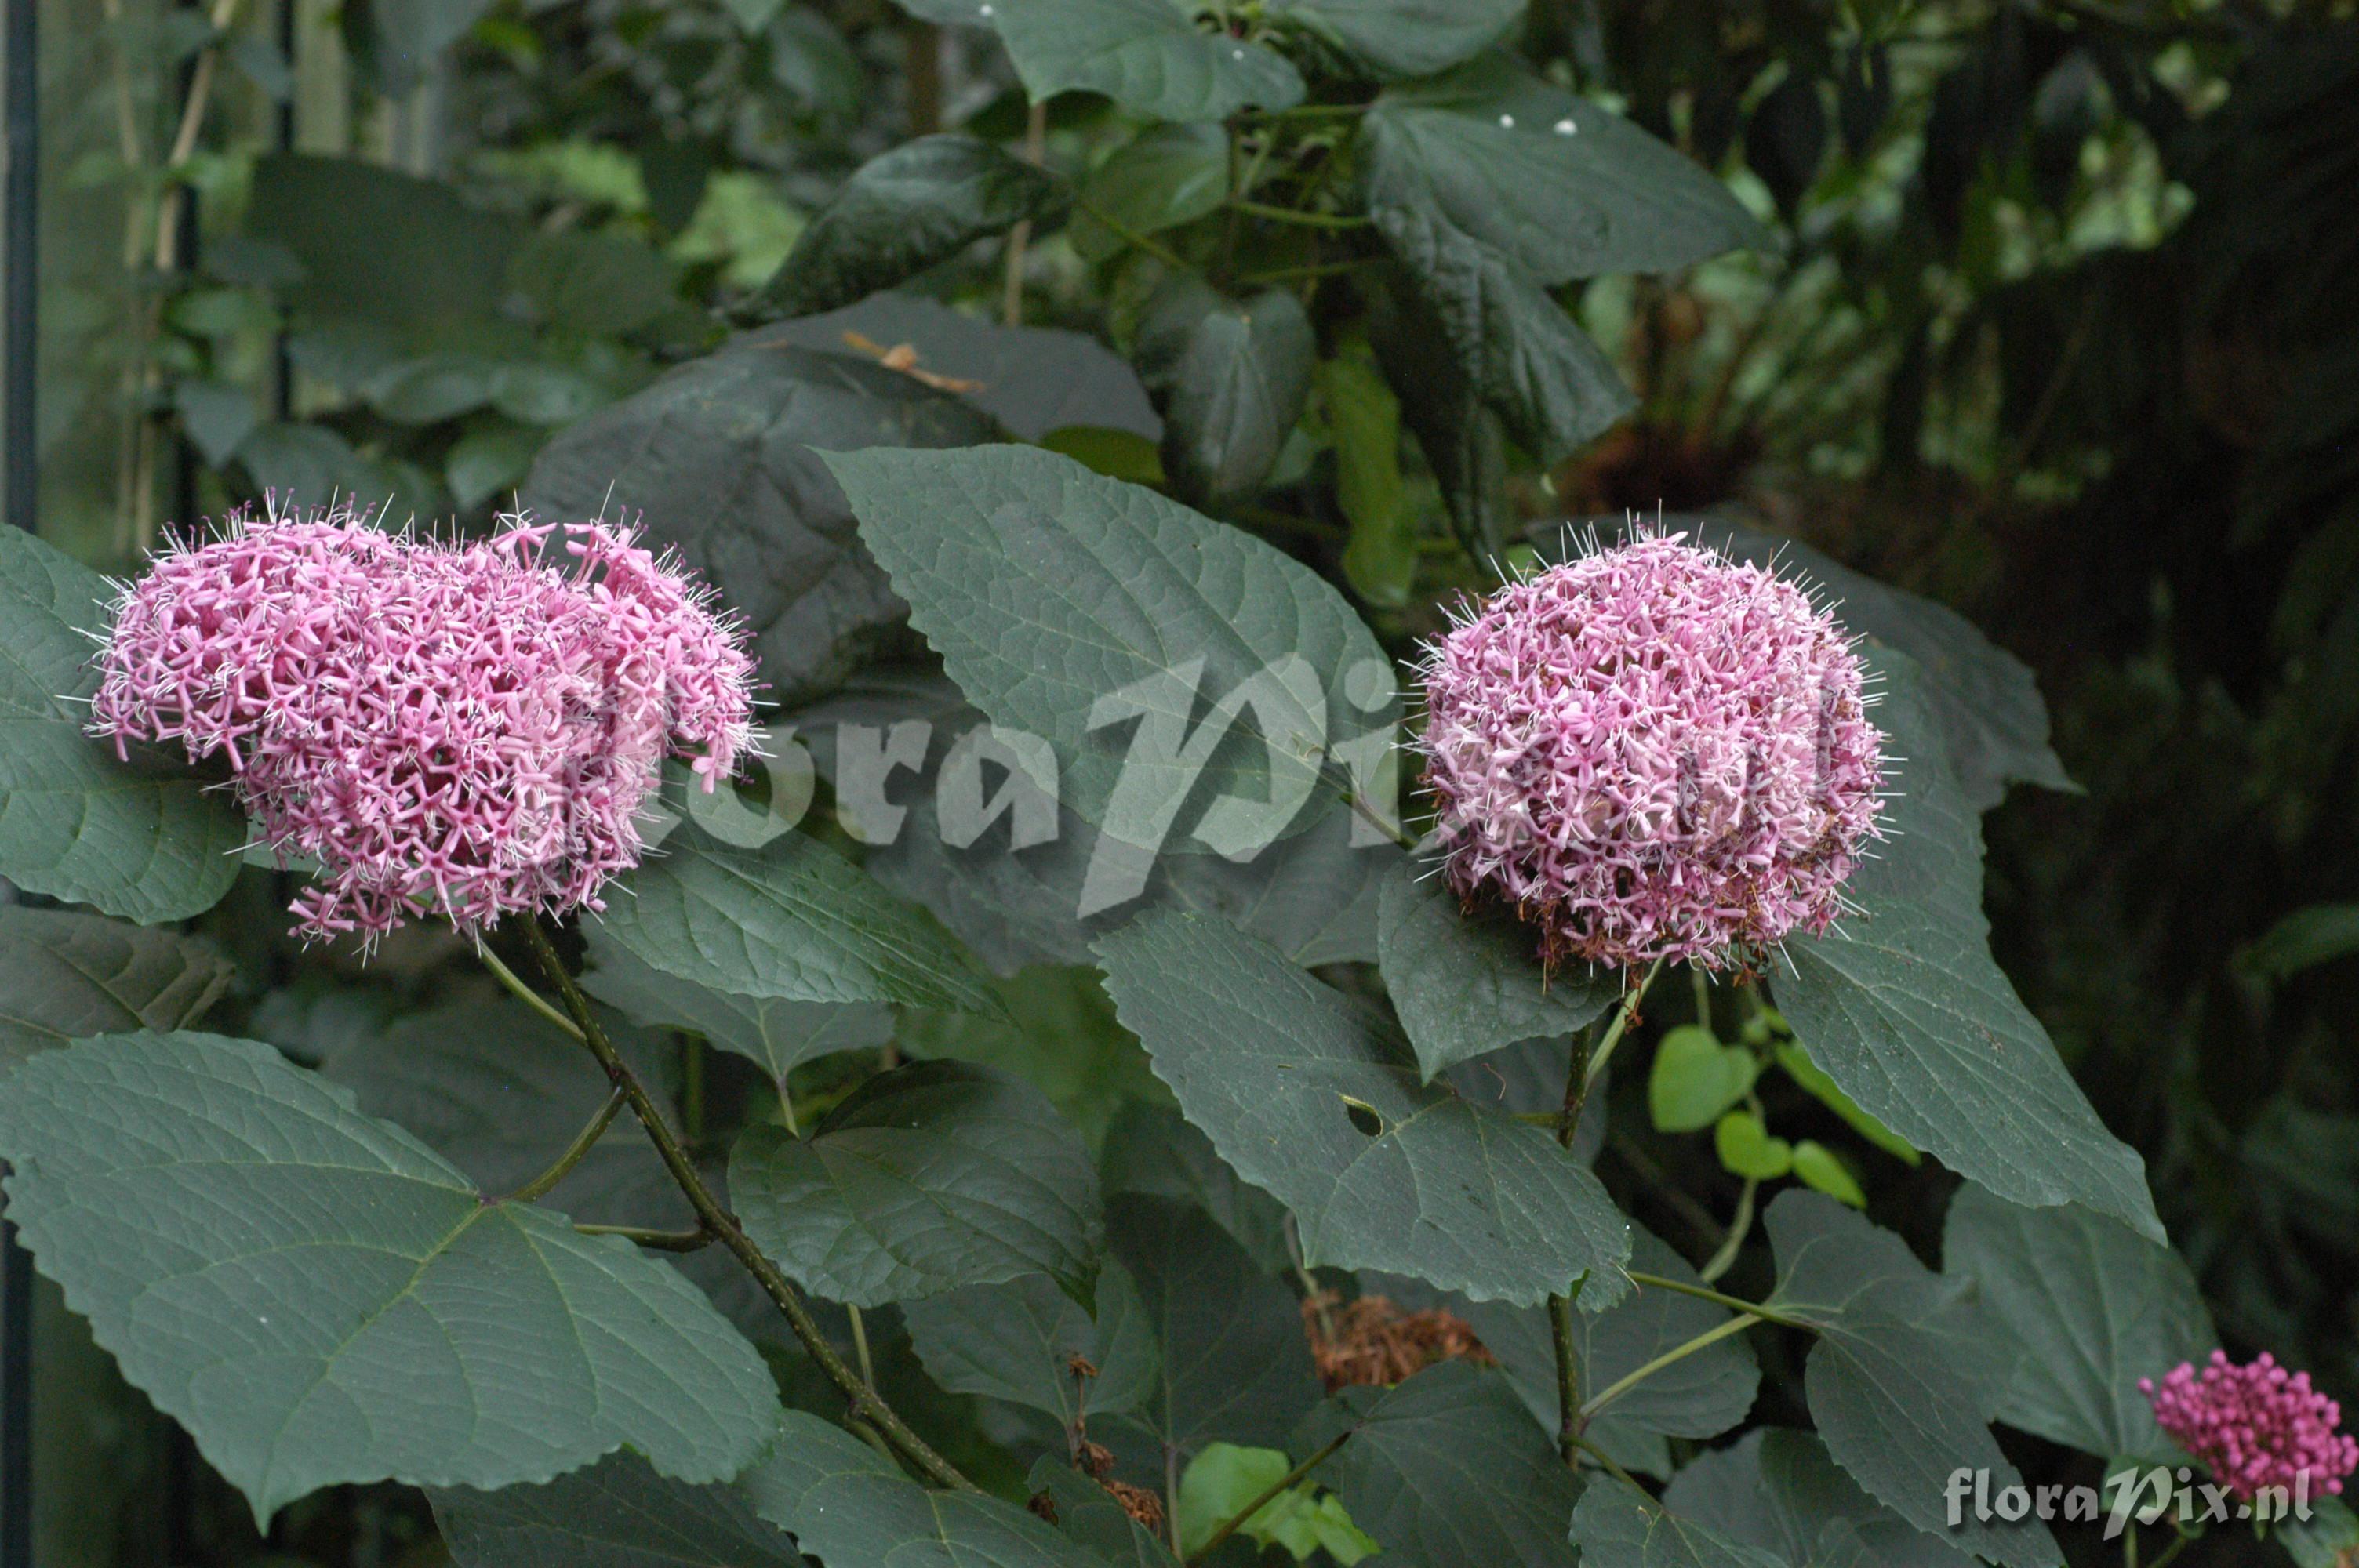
(65, 976)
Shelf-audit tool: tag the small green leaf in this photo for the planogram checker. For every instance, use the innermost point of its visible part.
(1695, 1078)
(1818, 1167)
(1018, 1341)
(791, 921)
(1269, 1062)
(1225, 1477)
(845, 1503)
(1235, 375)
(1364, 418)
(66, 976)
(904, 211)
(929, 1177)
(1820, 1088)
(319, 1298)
(1745, 1148)
(1164, 177)
(1147, 55)
(2092, 1305)
(1445, 1468)
(1467, 984)
(1118, 454)
(217, 418)
(132, 838)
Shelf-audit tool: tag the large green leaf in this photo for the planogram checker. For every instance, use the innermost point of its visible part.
(2092, 1305)
(1018, 1341)
(65, 976)
(1551, 386)
(846, 1504)
(1466, 984)
(1905, 1372)
(2326, 1540)
(931, 1176)
(1151, 1149)
(791, 920)
(1563, 188)
(1403, 38)
(1147, 55)
(1235, 374)
(904, 210)
(1463, 440)
(76, 824)
(1313, 896)
(772, 1032)
(1233, 1363)
(317, 1297)
(1306, 1097)
(500, 1092)
(1162, 177)
(1618, 1526)
(381, 246)
(1047, 588)
(619, 1513)
(1063, 1041)
(1032, 380)
(1776, 1489)
(1902, 1007)
(716, 460)
(1446, 1469)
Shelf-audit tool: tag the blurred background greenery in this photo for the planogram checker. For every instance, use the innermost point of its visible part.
(2063, 335)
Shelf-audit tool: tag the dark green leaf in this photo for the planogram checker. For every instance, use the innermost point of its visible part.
(311, 465)
(1151, 1149)
(1551, 386)
(1304, 1096)
(1904, 1009)
(1465, 985)
(777, 1034)
(1235, 375)
(601, 284)
(2092, 1305)
(1463, 442)
(1905, 1372)
(619, 1513)
(1063, 1041)
(1234, 1364)
(1164, 177)
(847, 1504)
(2326, 1540)
(1033, 380)
(1446, 1469)
(1147, 55)
(1776, 1490)
(904, 211)
(1364, 419)
(75, 824)
(1048, 589)
(491, 457)
(381, 246)
(1799, 1066)
(319, 1298)
(1091, 1517)
(1403, 38)
(1557, 185)
(1786, 140)
(66, 976)
(2319, 934)
(1619, 1526)
(933, 1176)
(791, 921)
(714, 458)
(217, 418)
(1017, 1341)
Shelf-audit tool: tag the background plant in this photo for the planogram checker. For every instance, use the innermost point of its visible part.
(2046, 328)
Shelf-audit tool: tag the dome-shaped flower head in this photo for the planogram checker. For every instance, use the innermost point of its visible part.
(2253, 1426)
(444, 727)
(1651, 752)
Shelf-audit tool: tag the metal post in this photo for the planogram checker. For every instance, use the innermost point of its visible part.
(20, 128)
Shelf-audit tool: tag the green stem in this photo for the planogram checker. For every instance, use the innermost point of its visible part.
(860, 1345)
(523, 992)
(1619, 1474)
(866, 1403)
(1702, 982)
(1733, 1303)
(1623, 1016)
(661, 1240)
(541, 1185)
(1625, 1384)
(1738, 1228)
(1307, 220)
(1236, 1521)
(1568, 1366)
(1132, 237)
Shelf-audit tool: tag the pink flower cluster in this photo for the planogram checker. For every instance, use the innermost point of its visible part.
(2255, 1425)
(444, 727)
(1651, 752)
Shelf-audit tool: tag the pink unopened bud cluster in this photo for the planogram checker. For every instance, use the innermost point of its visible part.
(1651, 752)
(2253, 1426)
(444, 727)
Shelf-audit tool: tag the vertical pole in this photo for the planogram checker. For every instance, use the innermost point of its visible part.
(20, 502)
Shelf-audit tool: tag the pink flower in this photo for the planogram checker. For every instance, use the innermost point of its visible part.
(445, 727)
(2253, 1426)
(1649, 752)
